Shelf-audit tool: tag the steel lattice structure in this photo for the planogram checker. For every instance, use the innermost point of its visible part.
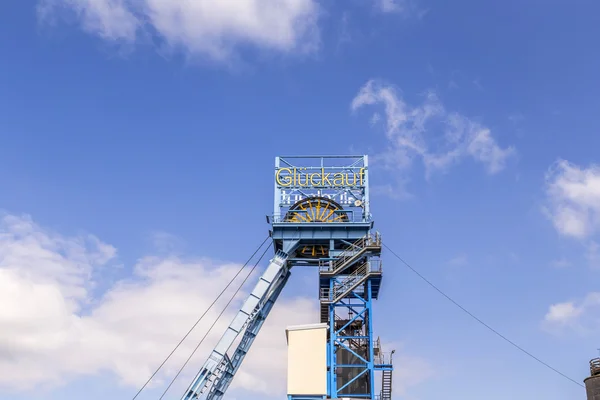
(321, 218)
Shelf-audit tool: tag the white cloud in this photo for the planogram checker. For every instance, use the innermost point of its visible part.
(51, 330)
(561, 263)
(563, 313)
(164, 242)
(409, 371)
(573, 197)
(393, 5)
(429, 132)
(208, 28)
(581, 316)
(593, 254)
(403, 7)
(460, 259)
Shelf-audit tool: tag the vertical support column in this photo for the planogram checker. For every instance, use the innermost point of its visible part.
(331, 343)
(354, 362)
(370, 339)
(277, 193)
(367, 206)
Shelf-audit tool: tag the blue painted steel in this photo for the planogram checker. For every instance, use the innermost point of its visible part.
(270, 282)
(348, 285)
(346, 295)
(345, 195)
(370, 335)
(222, 382)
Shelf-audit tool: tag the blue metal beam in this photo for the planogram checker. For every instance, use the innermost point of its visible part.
(222, 382)
(344, 181)
(276, 273)
(351, 329)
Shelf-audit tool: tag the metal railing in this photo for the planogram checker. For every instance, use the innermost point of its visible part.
(382, 358)
(349, 253)
(352, 279)
(595, 366)
(385, 358)
(337, 216)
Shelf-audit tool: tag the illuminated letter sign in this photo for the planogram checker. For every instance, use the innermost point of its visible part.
(286, 181)
(303, 178)
(342, 179)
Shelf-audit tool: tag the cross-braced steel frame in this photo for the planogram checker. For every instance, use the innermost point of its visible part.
(351, 347)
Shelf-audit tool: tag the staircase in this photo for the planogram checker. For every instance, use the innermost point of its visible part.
(369, 243)
(347, 283)
(386, 385)
(324, 312)
(346, 262)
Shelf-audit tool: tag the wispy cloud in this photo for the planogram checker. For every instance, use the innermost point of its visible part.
(573, 205)
(581, 316)
(395, 6)
(561, 263)
(165, 242)
(403, 7)
(429, 132)
(593, 254)
(460, 259)
(573, 199)
(516, 118)
(211, 29)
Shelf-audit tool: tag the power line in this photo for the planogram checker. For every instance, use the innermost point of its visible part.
(198, 321)
(480, 321)
(214, 323)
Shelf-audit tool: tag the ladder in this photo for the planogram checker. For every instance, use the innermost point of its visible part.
(386, 385)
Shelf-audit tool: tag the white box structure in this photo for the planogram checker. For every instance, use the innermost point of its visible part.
(307, 360)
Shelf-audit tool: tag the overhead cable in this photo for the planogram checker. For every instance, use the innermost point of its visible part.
(199, 319)
(215, 322)
(480, 321)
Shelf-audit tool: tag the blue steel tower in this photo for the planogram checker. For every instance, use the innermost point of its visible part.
(322, 204)
(321, 219)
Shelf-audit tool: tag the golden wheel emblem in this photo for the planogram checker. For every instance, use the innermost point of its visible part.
(319, 210)
(316, 209)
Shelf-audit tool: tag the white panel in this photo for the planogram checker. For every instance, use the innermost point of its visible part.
(250, 303)
(226, 341)
(272, 271)
(238, 322)
(307, 361)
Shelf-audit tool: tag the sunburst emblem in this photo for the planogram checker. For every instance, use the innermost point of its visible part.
(315, 210)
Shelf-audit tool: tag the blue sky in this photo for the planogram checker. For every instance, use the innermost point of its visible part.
(137, 142)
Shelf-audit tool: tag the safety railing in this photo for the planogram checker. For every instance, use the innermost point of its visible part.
(348, 281)
(595, 367)
(307, 216)
(381, 357)
(351, 280)
(371, 240)
(384, 358)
